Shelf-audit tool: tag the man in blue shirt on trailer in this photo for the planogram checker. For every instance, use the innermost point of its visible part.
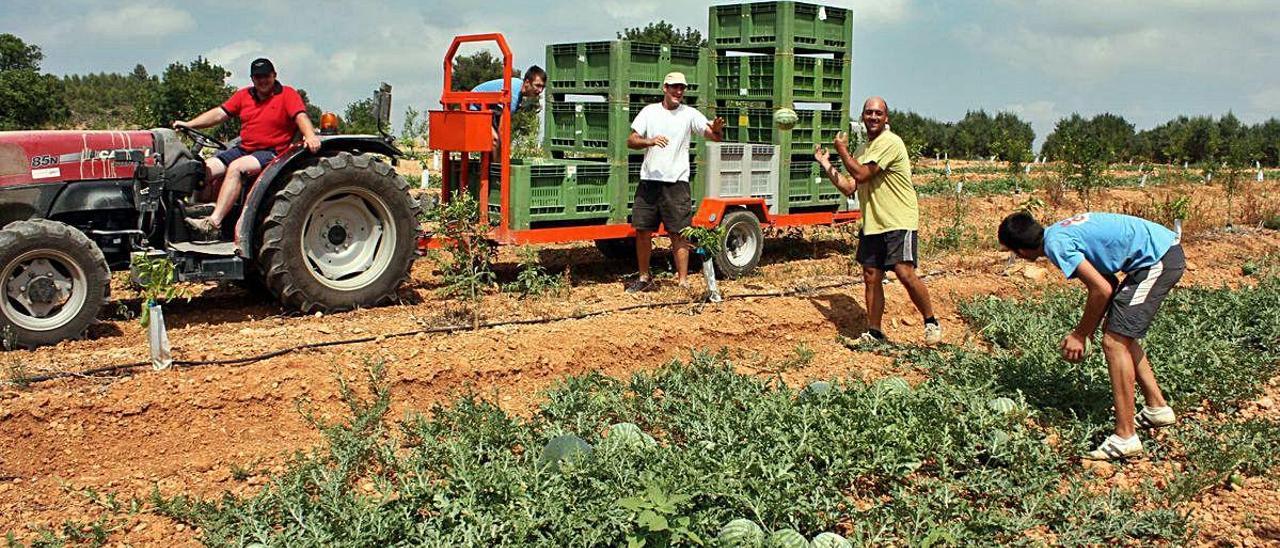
(1093, 247)
(531, 86)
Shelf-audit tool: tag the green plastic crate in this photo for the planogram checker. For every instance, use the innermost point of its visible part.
(624, 67)
(783, 78)
(782, 27)
(591, 127)
(550, 190)
(806, 188)
(747, 125)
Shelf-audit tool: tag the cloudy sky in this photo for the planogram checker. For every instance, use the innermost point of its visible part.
(1147, 60)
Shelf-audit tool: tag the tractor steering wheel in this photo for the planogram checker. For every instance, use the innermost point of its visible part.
(202, 139)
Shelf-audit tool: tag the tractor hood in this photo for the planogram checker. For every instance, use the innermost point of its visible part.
(43, 157)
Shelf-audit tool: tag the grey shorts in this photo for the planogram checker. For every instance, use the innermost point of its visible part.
(885, 250)
(658, 201)
(1135, 303)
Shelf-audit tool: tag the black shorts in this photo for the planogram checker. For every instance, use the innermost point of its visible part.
(236, 152)
(1136, 301)
(885, 250)
(657, 201)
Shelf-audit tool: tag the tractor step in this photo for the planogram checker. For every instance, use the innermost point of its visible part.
(196, 262)
(217, 249)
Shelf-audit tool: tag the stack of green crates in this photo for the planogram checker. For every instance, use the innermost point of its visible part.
(595, 90)
(771, 55)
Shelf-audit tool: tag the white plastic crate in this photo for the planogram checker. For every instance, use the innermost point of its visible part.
(741, 169)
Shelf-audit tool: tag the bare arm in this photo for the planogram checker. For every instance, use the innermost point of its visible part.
(844, 184)
(1100, 290)
(308, 131)
(636, 142)
(860, 172)
(208, 118)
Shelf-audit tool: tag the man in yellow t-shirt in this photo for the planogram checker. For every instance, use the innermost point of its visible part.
(881, 175)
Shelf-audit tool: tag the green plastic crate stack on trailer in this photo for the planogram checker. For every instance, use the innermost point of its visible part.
(770, 55)
(594, 91)
(549, 192)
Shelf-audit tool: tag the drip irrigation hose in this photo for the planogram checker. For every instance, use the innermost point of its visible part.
(121, 368)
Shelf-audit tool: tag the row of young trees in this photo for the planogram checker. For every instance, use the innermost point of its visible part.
(1189, 139)
(977, 135)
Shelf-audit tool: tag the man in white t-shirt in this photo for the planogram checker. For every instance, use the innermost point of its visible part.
(664, 130)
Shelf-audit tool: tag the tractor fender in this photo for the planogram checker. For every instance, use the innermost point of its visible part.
(20, 203)
(277, 174)
(93, 196)
(712, 210)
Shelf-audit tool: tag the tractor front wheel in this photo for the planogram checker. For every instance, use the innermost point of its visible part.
(339, 235)
(53, 282)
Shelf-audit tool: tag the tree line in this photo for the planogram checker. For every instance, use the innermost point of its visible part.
(30, 99)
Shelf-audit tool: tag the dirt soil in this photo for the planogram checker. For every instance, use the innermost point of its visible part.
(213, 429)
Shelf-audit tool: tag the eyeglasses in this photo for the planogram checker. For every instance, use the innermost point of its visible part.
(680, 87)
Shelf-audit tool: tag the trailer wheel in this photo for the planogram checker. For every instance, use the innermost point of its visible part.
(339, 235)
(53, 282)
(618, 249)
(743, 243)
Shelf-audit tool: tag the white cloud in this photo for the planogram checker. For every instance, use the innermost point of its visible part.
(138, 21)
(1042, 115)
(1087, 42)
(879, 11)
(1267, 100)
(627, 9)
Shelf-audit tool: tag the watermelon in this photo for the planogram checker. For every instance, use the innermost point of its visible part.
(787, 538)
(999, 438)
(561, 448)
(896, 386)
(740, 533)
(815, 389)
(830, 540)
(1002, 405)
(628, 434)
(785, 118)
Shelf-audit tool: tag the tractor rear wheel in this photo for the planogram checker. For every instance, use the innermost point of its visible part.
(742, 246)
(53, 282)
(339, 235)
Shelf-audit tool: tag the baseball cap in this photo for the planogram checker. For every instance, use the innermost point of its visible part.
(261, 67)
(674, 78)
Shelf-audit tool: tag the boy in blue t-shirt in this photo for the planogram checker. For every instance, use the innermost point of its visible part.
(1093, 247)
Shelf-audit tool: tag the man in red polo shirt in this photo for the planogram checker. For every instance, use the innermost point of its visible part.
(270, 114)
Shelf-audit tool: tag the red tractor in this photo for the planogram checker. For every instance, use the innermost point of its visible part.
(328, 231)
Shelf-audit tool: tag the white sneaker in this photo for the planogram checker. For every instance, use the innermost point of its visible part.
(867, 338)
(932, 333)
(1115, 447)
(1155, 417)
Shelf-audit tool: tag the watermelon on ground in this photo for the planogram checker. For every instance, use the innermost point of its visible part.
(628, 434)
(560, 448)
(787, 538)
(815, 389)
(896, 386)
(830, 540)
(740, 533)
(1002, 405)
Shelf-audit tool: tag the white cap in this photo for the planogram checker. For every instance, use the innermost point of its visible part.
(673, 78)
